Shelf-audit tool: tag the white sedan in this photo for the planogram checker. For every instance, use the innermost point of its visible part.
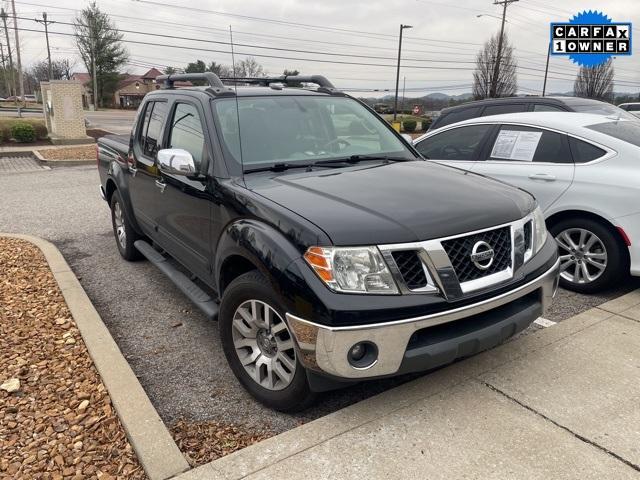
(583, 169)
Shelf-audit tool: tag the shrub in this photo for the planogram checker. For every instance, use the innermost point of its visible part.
(409, 126)
(426, 123)
(40, 128)
(23, 132)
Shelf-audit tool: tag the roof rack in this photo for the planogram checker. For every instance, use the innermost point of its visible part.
(324, 84)
(215, 84)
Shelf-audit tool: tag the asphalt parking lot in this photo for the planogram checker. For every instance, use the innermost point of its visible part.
(173, 350)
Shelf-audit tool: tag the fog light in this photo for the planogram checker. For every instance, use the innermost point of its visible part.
(363, 355)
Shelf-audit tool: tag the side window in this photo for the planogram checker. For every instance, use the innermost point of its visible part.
(541, 107)
(506, 108)
(142, 130)
(634, 107)
(151, 137)
(584, 152)
(186, 132)
(455, 144)
(527, 144)
(458, 116)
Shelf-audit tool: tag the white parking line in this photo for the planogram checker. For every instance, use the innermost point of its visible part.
(543, 322)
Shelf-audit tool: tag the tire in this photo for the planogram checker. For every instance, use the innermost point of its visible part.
(599, 246)
(123, 232)
(262, 349)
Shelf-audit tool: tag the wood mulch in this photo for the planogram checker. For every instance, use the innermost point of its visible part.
(56, 418)
(84, 152)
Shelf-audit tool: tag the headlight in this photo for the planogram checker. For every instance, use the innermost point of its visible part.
(539, 230)
(352, 269)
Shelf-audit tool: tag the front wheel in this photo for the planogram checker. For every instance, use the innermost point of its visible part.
(591, 257)
(122, 230)
(260, 347)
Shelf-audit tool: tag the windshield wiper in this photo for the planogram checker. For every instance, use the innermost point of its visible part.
(278, 167)
(358, 158)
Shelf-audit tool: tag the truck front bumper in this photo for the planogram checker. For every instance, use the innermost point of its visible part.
(422, 343)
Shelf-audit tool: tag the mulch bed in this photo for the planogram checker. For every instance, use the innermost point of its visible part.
(85, 152)
(59, 423)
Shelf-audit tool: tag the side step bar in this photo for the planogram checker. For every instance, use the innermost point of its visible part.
(199, 297)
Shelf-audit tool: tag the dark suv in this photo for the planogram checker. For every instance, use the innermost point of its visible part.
(498, 106)
(327, 249)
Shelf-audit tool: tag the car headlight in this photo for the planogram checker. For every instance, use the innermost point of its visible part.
(352, 269)
(539, 230)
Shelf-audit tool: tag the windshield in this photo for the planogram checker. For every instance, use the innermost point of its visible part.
(601, 108)
(304, 129)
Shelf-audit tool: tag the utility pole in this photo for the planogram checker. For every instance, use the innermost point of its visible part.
(4, 70)
(12, 88)
(496, 69)
(395, 103)
(404, 87)
(93, 73)
(546, 71)
(18, 62)
(46, 23)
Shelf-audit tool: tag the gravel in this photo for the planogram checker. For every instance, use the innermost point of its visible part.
(86, 152)
(171, 347)
(56, 418)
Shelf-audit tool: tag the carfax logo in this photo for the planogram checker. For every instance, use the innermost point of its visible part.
(590, 38)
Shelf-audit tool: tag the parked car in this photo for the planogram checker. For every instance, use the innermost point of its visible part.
(582, 169)
(500, 106)
(327, 248)
(632, 108)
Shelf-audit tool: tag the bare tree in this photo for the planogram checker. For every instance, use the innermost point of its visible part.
(595, 82)
(507, 81)
(61, 69)
(249, 67)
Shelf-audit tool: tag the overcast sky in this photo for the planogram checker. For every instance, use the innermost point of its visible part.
(343, 28)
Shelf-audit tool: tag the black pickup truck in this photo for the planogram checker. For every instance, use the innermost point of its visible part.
(327, 249)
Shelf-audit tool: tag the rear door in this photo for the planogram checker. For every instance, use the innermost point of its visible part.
(534, 159)
(144, 174)
(183, 211)
(457, 147)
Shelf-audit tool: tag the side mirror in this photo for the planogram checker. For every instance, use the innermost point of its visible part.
(407, 137)
(176, 161)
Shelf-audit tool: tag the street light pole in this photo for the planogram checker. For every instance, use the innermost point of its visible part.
(395, 103)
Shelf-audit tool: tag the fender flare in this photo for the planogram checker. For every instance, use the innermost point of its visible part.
(117, 177)
(261, 244)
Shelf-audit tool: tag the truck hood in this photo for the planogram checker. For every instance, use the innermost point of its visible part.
(393, 203)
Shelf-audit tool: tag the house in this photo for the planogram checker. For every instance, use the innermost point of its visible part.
(130, 91)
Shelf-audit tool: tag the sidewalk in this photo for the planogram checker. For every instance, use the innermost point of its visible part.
(559, 403)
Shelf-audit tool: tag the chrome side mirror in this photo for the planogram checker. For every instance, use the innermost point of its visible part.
(176, 161)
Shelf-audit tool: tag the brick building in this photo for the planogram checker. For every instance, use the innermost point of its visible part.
(131, 88)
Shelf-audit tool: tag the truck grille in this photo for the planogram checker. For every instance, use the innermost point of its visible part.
(459, 251)
(410, 267)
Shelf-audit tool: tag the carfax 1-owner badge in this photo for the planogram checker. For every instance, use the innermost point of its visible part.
(591, 38)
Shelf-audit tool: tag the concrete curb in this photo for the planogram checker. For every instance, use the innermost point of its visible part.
(60, 163)
(157, 452)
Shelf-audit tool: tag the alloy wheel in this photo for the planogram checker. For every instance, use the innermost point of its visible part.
(118, 219)
(264, 345)
(583, 256)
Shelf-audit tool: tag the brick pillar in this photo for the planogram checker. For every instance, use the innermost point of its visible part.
(63, 111)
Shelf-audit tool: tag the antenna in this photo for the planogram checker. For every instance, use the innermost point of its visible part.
(235, 86)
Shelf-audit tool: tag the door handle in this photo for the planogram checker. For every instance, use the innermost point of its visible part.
(133, 170)
(543, 176)
(161, 185)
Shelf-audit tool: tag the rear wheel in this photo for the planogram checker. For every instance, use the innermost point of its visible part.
(259, 345)
(122, 230)
(591, 256)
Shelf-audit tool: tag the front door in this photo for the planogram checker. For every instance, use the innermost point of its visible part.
(534, 159)
(143, 170)
(183, 211)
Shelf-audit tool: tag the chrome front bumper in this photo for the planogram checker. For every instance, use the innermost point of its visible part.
(325, 349)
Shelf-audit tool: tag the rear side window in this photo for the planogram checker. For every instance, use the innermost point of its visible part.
(527, 144)
(584, 152)
(458, 116)
(456, 144)
(186, 132)
(633, 107)
(626, 131)
(541, 107)
(506, 108)
(151, 135)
